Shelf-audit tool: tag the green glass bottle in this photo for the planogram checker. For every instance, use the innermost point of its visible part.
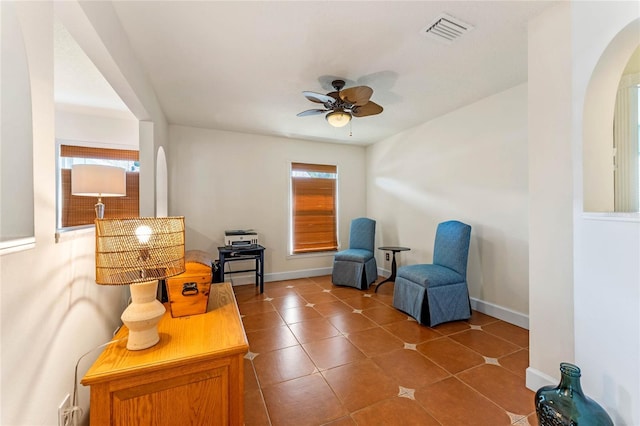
(567, 405)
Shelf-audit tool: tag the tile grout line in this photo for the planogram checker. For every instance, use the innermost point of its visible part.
(387, 331)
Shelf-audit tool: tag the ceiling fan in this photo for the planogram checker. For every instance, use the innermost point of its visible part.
(341, 105)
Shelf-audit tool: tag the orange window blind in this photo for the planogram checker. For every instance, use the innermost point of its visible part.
(314, 188)
(98, 153)
(77, 210)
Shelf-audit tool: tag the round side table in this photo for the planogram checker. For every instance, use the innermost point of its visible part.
(394, 250)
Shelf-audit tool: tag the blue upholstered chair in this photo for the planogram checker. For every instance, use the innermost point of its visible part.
(436, 293)
(356, 266)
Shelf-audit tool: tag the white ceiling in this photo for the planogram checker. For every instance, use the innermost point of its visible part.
(241, 66)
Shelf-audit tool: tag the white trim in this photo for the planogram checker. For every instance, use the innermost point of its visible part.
(250, 277)
(311, 254)
(505, 314)
(537, 379)
(72, 233)
(500, 312)
(383, 272)
(92, 144)
(613, 216)
(629, 80)
(87, 144)
(289, 252)
(19, 244)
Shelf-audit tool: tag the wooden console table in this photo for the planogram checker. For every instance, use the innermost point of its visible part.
(194, 375)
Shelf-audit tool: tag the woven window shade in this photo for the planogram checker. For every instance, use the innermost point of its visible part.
(122, 257)
(77, 210)
(316, 168)
(314, 209)
(99, 153)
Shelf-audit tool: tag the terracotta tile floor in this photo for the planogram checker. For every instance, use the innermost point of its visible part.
(326, 355)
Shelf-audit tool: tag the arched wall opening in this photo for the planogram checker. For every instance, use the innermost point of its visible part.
(599, 108)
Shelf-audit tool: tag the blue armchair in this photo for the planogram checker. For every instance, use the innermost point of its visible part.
(356, 266)
(438, 292)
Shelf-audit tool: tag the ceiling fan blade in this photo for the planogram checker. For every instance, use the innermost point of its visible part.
(358, 95)
(318, 97)
(312, 112)
(370, 108)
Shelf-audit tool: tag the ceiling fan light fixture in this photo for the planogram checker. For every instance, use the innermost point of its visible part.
(338, 118)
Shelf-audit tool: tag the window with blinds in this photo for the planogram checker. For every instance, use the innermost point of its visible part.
(75, 210)
(313, 207)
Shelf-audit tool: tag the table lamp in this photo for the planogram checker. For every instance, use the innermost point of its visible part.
(95, 180)
(140, 251)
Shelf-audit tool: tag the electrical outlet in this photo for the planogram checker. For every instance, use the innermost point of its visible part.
(64, 411)
(386, 256)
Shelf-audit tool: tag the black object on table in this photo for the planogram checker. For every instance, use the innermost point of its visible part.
(395, 250)
(232, 254)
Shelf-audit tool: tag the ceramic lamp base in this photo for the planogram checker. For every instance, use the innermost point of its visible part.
(143, 315)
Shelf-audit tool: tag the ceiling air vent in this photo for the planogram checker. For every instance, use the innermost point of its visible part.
(446, 29)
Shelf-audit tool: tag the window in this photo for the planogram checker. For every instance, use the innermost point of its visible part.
(313, 208)
(74, 210)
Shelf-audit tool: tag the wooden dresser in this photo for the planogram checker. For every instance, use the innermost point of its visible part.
(193, 376)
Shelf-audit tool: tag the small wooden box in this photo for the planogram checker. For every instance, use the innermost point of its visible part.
(189, 292)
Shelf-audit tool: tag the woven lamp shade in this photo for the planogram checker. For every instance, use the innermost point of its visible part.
(137, 250)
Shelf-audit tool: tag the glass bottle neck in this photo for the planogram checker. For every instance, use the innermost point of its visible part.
(570, 378)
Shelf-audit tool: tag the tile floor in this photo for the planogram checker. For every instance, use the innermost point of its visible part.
(326, 355)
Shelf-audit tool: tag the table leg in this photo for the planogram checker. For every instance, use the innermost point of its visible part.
(221, 256)
(391, 277)
(257, 268)
(261, 272)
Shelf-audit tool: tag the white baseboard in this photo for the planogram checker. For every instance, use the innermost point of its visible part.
(537, 379)
(250, 278)
(500, 312)
(496, 311)
(505, 314)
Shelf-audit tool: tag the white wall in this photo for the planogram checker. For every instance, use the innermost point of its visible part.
(225, 180)
(605, 71)
(84, 129)
(51, 310)
(585, 273)
(607, 314)
(551, 192)
(469, 165)
(16, 149)
(607, 246)
(108, 132)
(97, 30)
